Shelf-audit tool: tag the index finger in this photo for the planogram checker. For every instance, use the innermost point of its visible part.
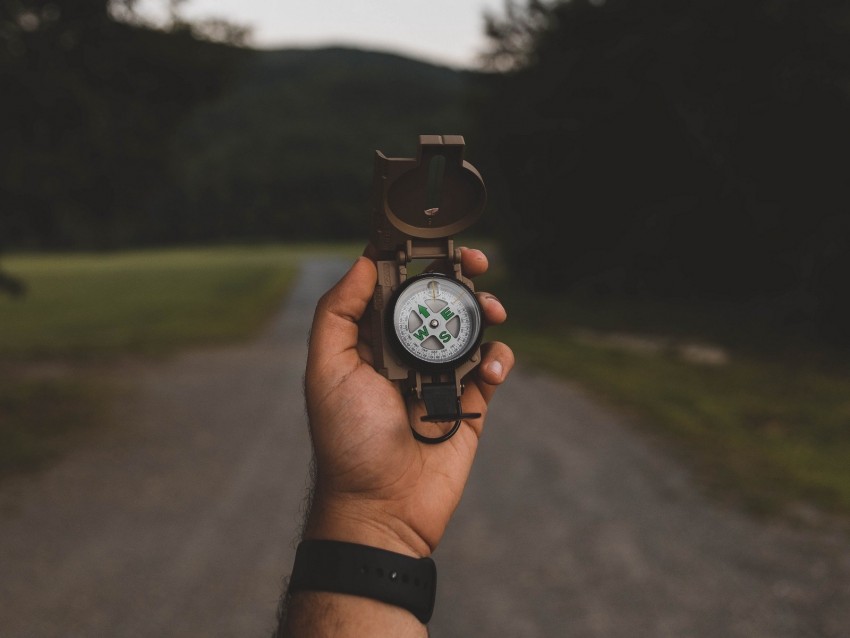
(473, 261)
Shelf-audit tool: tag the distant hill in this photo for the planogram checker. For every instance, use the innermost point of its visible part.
(287, 153)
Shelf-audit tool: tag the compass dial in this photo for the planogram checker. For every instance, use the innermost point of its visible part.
(436, 321)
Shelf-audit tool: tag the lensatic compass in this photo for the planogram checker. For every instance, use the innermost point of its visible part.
(427, 328)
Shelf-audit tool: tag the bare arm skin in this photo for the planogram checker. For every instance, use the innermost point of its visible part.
(375, 484)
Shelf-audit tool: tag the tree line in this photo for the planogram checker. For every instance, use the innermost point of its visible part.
(117, 133)
(684, 149)
(89, 105)
(667, 149)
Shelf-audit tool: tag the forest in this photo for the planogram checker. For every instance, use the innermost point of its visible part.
(662, 149)
(678, 149)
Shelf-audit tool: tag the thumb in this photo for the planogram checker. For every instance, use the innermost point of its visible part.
(335, 327)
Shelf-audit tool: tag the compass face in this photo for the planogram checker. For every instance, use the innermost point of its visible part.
(436, 321)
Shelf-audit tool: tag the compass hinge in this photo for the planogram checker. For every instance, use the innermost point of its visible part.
(435, 249)
(429, 249)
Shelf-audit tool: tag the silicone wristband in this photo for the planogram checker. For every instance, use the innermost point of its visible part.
(360, 570)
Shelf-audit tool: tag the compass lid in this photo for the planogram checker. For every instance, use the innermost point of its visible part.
(434, 195)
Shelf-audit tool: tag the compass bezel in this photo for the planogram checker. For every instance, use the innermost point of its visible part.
(430, 367)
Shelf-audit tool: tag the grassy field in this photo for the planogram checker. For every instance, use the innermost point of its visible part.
(144, 302)
(82, 311)
(769, 427)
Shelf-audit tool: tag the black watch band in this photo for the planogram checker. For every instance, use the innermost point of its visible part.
(360, 570)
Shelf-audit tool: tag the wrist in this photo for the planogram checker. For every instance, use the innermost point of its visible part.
(365, 523)
(348, 569)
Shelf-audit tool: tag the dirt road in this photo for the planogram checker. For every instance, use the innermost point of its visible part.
(180, 519)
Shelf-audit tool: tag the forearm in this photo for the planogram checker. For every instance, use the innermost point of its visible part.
(320, 615)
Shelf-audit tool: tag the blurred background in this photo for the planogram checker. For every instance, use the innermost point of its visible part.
(670, 151)
(668, 216)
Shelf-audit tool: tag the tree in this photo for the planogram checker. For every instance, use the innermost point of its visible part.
(675, 147)
(89, 105)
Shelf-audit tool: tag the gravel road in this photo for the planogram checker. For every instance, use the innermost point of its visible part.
(180, 519)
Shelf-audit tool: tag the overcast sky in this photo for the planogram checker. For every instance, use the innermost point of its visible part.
(445, 31)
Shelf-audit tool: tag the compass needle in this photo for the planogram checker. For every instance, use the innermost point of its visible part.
(457, 325)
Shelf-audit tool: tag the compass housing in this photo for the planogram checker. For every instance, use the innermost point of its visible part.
(426, 339)
(469, 329)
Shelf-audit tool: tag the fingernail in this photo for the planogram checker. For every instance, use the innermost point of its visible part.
(496, 368)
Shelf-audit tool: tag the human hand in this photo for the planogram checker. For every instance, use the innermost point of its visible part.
(375, 484)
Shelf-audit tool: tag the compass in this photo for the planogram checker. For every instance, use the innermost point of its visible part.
(427, 328)
(436, 322)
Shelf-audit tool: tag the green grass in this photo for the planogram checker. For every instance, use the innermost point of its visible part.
(41, 417)
(82, 311)
(771, 430)
(85, 306)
